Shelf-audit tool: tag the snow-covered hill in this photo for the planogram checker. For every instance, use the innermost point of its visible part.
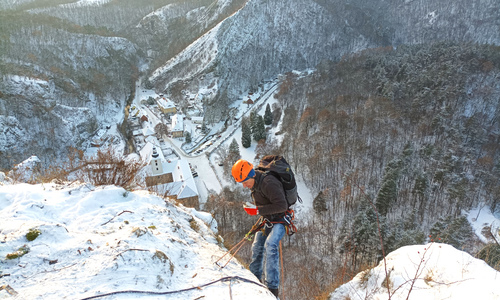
(432, 271)
(98, 240)
(266, 38)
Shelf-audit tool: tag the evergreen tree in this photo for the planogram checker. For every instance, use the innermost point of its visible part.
(319, 203)
(363, 241)
(187, 135)
(253, 121)
(404, 231)
(421, 185)
(234, 152)
(268, 115)
(230, 156)
(388, 192)
(454, 231)
(246, 133)
(204, 128)
(260, 129)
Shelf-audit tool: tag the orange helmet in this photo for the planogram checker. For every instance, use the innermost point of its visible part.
(241, 170)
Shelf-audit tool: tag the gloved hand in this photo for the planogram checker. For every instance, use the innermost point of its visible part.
(250, 209)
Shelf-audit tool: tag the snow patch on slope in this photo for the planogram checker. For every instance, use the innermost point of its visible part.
(96, 240)
(432, 271)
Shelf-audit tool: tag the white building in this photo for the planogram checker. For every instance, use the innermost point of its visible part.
(197, 120)
(172, 178)
(177, 125)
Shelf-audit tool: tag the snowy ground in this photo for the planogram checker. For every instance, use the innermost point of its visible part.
(101, 240)
(432, 271)
(96, 241)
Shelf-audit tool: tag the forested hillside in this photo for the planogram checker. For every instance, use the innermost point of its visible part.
(418, 125)
(267, 38)
(68, 67)
(412, 133)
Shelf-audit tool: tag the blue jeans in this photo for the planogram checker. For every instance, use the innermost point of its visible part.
(266, 247)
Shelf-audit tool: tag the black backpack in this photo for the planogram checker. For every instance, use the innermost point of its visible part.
(279, 168)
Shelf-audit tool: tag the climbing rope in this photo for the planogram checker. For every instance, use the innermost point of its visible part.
(282, 273)
(223, 279)
(248, 237)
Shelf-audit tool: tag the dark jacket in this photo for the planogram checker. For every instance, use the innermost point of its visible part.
(269, 196)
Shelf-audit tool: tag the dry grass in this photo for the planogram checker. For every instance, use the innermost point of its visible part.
(105, 168)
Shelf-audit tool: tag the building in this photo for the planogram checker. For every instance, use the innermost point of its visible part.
(177, 125)
(197, 120)
(174, 179)
(166, 106)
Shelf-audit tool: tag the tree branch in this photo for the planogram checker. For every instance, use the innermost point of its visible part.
(117, 216)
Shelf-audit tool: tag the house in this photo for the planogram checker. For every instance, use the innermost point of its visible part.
(172, 178)
(147, 131)
(248, 102)
(177, 125)
(197, 120)
(167, 106)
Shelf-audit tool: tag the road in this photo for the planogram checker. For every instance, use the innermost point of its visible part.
(208, 176)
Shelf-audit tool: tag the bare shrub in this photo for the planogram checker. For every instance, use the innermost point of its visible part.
(491, 255)
(109, 168)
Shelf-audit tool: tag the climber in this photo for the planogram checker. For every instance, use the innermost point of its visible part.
(270, 202)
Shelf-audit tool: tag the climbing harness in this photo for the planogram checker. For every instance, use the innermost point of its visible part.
(287, 220)
(262, 224)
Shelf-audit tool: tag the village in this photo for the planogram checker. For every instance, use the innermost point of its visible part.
(177, 143)
(165, 136)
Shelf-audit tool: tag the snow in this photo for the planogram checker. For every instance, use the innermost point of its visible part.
(82, 3)
(482, 217)
(97, 240)
(432, 271)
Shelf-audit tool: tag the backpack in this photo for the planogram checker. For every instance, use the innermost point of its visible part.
(279, 168)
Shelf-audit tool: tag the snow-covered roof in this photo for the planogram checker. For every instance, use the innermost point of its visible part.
(147, 151)
(165, 103)
(148, 131)
(183, 185)
(179, 168)
(188, 189)
(182, 189)
(178, 122)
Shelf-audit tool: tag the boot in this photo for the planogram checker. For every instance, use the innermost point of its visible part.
(275, 292)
